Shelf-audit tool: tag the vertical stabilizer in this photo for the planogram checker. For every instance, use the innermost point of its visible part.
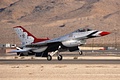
(26, 37)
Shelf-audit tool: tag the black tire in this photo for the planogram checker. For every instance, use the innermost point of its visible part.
(80, 53)
(60, 57)
(21, 54)
(18, 53)
(49, 57)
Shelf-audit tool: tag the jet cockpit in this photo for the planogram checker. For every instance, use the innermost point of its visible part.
(83, 30)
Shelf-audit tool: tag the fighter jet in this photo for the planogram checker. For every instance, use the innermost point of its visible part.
(49, 47)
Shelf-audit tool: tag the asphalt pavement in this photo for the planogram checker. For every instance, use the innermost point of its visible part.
(89, 57)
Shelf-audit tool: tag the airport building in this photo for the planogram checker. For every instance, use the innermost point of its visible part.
(4, 48)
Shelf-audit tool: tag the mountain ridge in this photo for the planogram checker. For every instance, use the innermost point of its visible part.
(43, 18)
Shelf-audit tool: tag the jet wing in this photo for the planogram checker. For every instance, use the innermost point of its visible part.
(21, 50)
(51, 41)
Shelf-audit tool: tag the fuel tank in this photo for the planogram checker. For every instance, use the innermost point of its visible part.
(73, 43)
(41, 49)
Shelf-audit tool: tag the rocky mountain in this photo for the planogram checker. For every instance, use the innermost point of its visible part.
(44, 18)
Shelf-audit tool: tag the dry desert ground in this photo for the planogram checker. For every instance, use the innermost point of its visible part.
(59, 72)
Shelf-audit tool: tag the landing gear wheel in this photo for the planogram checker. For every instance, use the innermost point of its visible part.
(60, 57)
(49, 57)
(80, 53)
(21, 54)
(18, 53)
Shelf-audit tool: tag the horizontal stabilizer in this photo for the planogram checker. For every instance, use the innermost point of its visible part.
(21, 50)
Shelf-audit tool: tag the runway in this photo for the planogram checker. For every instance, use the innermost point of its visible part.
(68, 61)
(96, 57)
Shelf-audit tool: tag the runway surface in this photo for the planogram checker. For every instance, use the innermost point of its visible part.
(87, 58)
(68, 61)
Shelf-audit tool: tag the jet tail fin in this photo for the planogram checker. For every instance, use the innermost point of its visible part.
(26, 37)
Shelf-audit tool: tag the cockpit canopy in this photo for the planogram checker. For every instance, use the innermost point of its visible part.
(83, 30)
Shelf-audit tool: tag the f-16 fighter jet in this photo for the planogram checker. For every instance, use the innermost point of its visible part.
(49, 47)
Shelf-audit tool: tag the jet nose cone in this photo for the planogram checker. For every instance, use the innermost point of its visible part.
(104, 33)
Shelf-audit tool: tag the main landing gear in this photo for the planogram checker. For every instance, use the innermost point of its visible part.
(80, 52)
(49, 57)
(59, 57)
